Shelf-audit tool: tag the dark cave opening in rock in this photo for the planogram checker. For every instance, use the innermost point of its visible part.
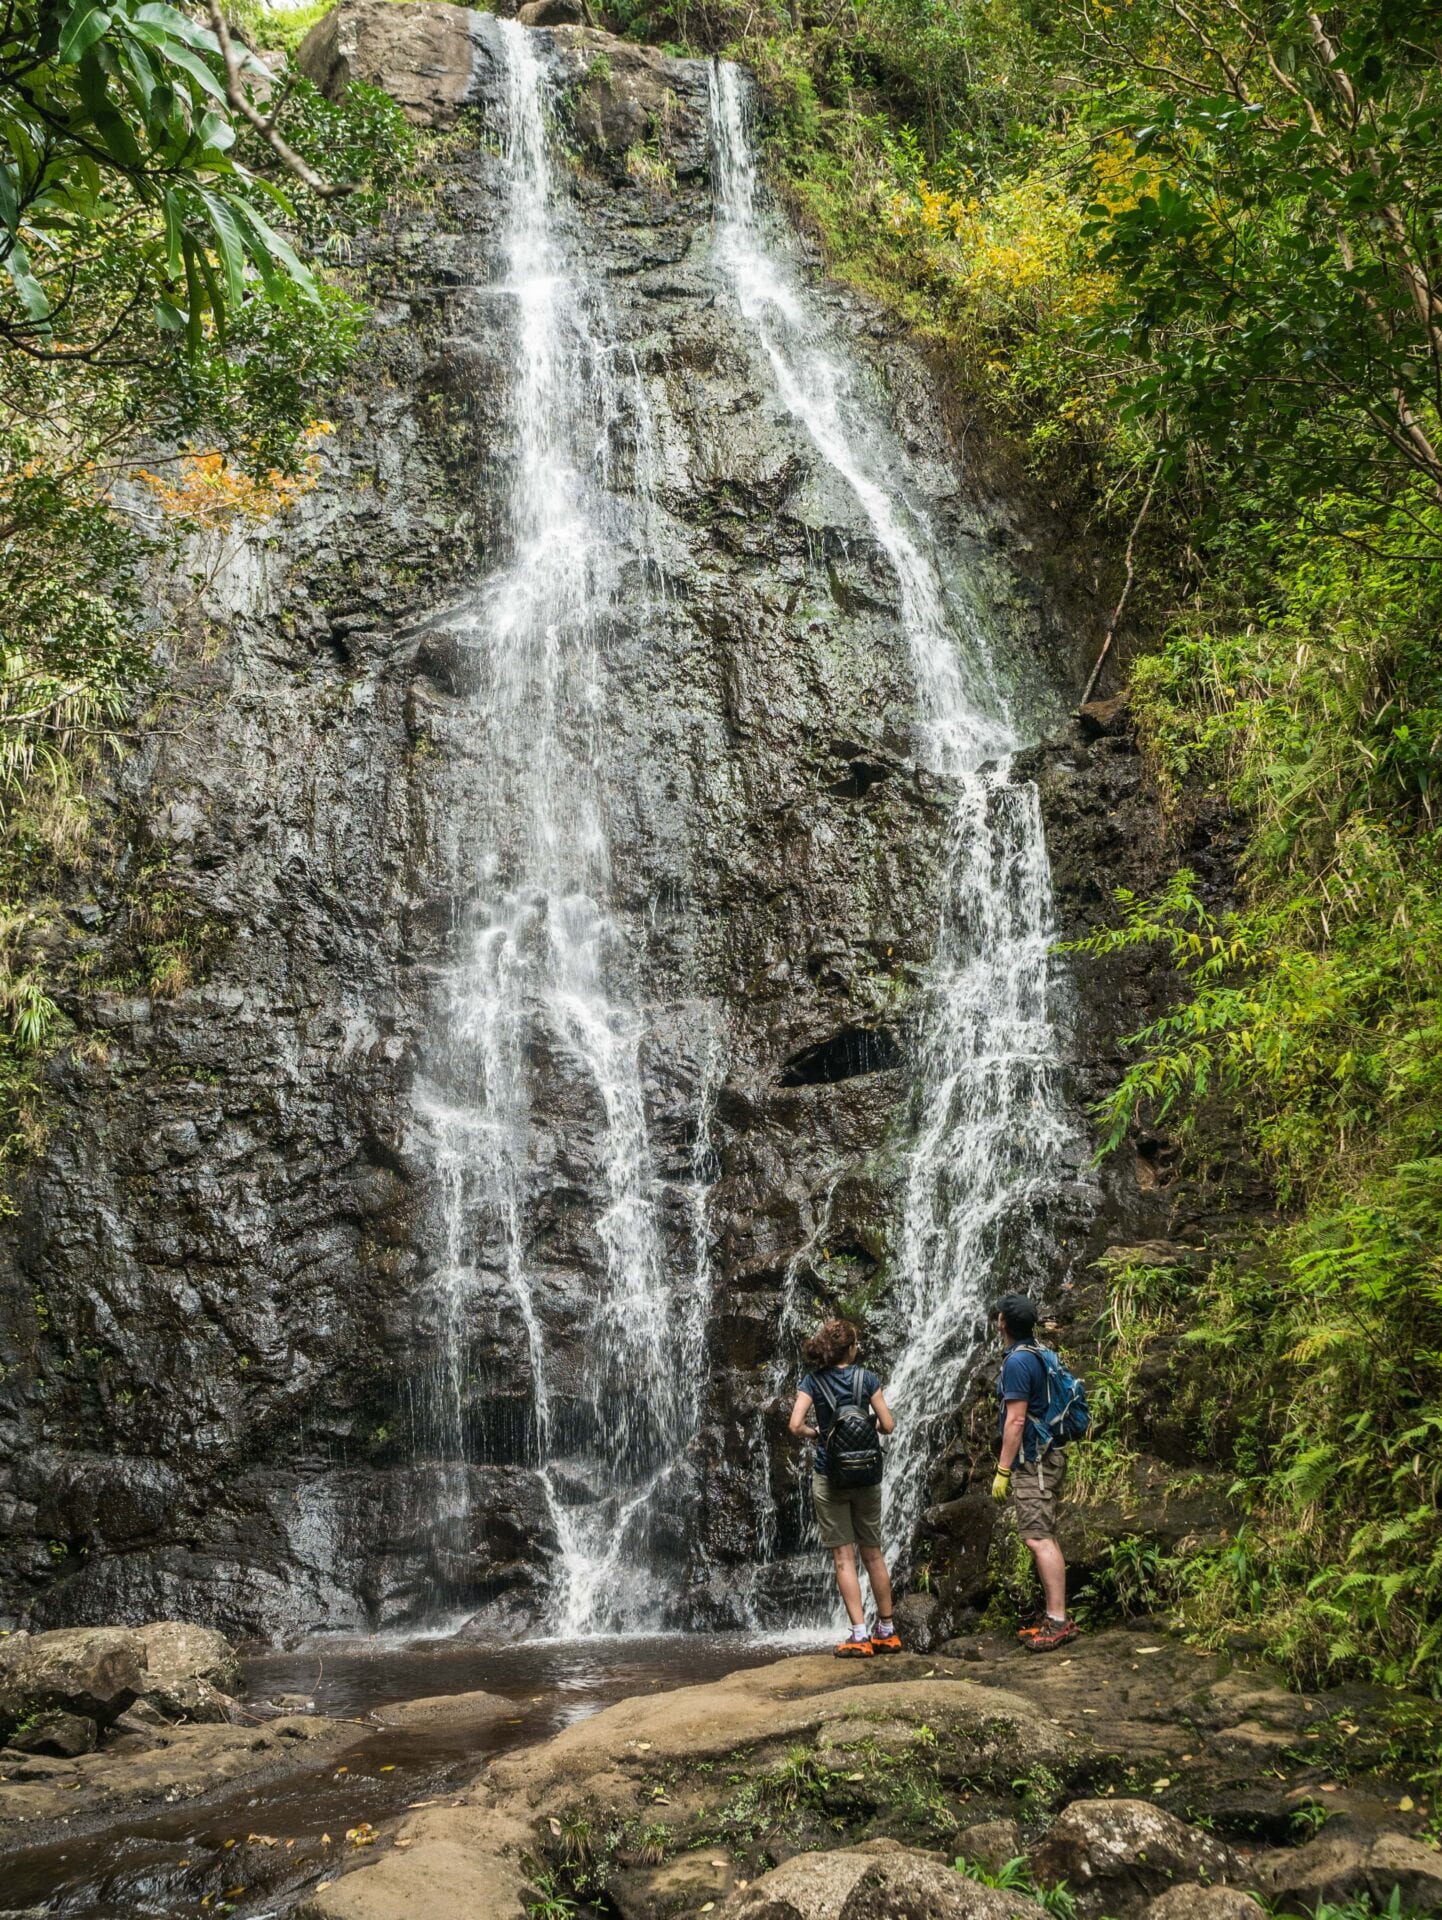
(861, 777)
(845, 1056)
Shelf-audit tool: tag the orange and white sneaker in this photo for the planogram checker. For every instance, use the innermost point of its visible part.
(850, 1649)
(888, 1642)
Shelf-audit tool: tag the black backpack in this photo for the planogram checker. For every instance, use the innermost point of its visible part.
(853, 1446)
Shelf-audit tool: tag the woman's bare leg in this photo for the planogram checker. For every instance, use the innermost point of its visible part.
(843, 1559)
(880, 1579)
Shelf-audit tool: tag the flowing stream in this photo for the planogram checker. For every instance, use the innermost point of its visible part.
(990, 1125)
(544, 983)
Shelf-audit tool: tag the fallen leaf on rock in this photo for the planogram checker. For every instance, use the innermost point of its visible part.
(1406, 1804)
(233, 1893)
(363, 1835)
(1148, 1649)
(321, 1885)
(228, 1845)
(1329, 1786)
(403, 1844)
(389, 1767)
(1091, 1709)
(555, 1826)
(1159, 1786)
(642, 1746)
(708, 1906)
(412, 1805)
(261, 1840)
(325, 1839)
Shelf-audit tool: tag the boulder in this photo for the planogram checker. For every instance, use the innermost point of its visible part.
(95, 1672)
(991, 1843)
(551, 13)
(1338, 1868)
(1104, 719)
(1194, 1902)
(1118, 1854)
(421, 52)
(915, 1886)
(813, 1886)
(916, 1620)
(63, 1734)
(882, 1881)
(192, 1673)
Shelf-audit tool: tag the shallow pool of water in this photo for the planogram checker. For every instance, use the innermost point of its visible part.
(251, 1853)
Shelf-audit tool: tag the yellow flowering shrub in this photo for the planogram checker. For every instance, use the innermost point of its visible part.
(211, 492)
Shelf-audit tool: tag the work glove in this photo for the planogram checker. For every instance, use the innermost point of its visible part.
(1001, 1486)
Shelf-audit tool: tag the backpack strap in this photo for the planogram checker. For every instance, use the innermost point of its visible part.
(827, 1395)
(1045, 1438)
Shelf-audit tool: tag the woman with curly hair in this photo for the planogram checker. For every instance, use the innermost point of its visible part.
(846, 1492)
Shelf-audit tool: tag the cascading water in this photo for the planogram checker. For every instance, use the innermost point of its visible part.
(535, 994)
(991, 1127)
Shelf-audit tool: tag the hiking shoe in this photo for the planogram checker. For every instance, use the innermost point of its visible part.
(1033, 1626)
(888, 1643)
(849, 1649)
(1054, 1634)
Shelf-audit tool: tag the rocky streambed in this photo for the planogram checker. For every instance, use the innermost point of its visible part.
(685, 1775)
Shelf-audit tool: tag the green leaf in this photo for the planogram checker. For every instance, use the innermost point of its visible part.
(86, 24)
(32, 294)
(269, 247)
(178, 25)
(230, 244)
(174, 229)
(192, 64)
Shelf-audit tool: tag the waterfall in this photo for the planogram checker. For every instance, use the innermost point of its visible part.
(990, 1124)
(543, 994)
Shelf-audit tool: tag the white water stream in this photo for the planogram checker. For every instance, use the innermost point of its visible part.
(543, 989)
(991, 1127)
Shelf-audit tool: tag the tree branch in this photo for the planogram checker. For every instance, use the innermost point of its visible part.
(1121, 605)
(265, 124)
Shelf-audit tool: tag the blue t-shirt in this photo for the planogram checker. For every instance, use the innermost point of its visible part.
(1023, 1377)
(841, 1385)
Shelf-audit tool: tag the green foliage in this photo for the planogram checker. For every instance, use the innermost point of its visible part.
(119, 167)
(1276, 274)
(1013, 1876)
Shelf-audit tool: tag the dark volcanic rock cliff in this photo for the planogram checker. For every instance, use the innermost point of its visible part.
(217, 1303)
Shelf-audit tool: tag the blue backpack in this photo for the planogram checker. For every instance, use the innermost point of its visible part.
(1067, 1416)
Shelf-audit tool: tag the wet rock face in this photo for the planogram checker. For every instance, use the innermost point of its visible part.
(219, 1309)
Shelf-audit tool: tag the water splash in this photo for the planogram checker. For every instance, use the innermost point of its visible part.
(540, 999)
(990, 1122)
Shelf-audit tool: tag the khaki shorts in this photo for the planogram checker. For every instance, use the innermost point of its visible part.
(846, 1516)
(1036, 1492)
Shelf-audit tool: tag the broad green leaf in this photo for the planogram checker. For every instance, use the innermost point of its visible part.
(32, 294)
(192, 64)
(179, 25)
(230, 244)
(85, 25)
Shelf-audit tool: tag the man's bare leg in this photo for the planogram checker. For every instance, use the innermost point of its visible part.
(1051, 1565)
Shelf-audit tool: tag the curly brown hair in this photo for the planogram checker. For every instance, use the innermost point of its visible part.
(832, 1344)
